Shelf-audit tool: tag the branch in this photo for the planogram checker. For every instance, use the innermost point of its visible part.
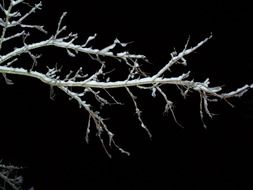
(9, 177)
(179, 58)
(95, 84)
(91, 82)
(12, 20)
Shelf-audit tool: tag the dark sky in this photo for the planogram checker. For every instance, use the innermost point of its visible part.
(47, 137)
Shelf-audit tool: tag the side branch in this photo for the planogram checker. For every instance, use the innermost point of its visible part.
(69, 46)
(179, 58)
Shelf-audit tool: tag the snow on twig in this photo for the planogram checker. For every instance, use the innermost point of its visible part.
(9, 178)
(93, 83)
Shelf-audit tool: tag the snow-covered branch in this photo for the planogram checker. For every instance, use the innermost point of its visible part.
(9, 177)
(93, 83)
(98, 83)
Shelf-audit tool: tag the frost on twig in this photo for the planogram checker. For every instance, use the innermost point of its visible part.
(79, 84)
(9, 177)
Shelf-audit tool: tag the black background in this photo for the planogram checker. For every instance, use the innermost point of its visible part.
(47, 137)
